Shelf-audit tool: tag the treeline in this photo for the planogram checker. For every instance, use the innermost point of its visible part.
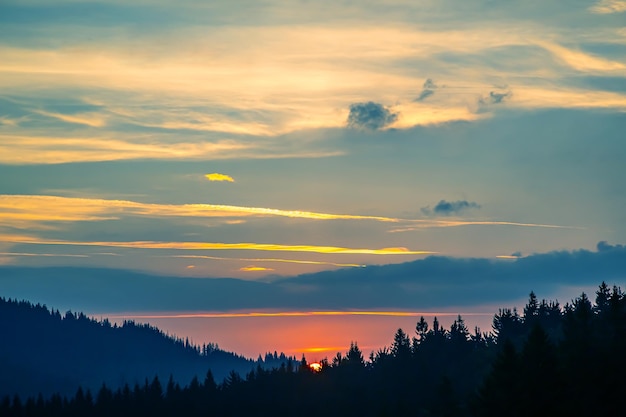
(548, 360)
(44, 351)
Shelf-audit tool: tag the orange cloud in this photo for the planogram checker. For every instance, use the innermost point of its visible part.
(54, 208)
(31, 211)
(294, 261)
(219, 177)
(227, 246)
(295, 314)
(253, 268)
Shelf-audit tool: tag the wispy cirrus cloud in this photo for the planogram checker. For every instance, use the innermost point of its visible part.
(581, 61)
(278, 260)
(36, 210)
(39, 208)
(609, 6)
(224, 246)
(87, 119)
(20, 149)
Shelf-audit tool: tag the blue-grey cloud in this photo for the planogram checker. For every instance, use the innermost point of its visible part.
(370, 115)
(428, 90)
(424, 95)
(495, 97)
(448, 208)
(603, 246)
(431, 283)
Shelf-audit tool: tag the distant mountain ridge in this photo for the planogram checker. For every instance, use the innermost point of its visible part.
(45, 351)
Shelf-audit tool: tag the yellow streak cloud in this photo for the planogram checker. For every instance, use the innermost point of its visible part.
(253, 268)
(225, 246)
(219, 177)
(33, 210)
(212, 315)
(46, 255)
(507, 257)
(295, 261)
(53, 208)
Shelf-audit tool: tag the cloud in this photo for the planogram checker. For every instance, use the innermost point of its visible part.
(36, 210)
(603, 246)
(448, 208)
(224, 246)
(30, 212)
(278, 260)
(219, 177)
(429, 89)
(581, 61)
(495, 97)
(429, 284)
(370, 116)
(91, 120)
(253, 268)
(609, 6)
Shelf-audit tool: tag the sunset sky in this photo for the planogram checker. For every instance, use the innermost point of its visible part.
(267, 139)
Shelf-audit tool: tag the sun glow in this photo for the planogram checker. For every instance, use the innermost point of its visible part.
(315, 366)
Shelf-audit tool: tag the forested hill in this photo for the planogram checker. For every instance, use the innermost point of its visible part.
(550, 360)
(49, 352)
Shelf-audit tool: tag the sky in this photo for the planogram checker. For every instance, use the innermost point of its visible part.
(264, 140)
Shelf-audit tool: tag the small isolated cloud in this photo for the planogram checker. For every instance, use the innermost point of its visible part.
(448, 208)
(609, 6)
(370, 115)
(430, 84)
(253, 268)
(429, 89)
(495, 97)
(603, 246)
(219, 177)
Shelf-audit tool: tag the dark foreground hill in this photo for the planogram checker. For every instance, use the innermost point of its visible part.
(43, 351)
(548, 361)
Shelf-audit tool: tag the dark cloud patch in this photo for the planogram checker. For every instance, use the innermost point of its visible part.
(428, 90)
(370, 116)
(495, 97)
(424, 95)
(431, 283)
(605, 247)
(429, 84)
(448, 208)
